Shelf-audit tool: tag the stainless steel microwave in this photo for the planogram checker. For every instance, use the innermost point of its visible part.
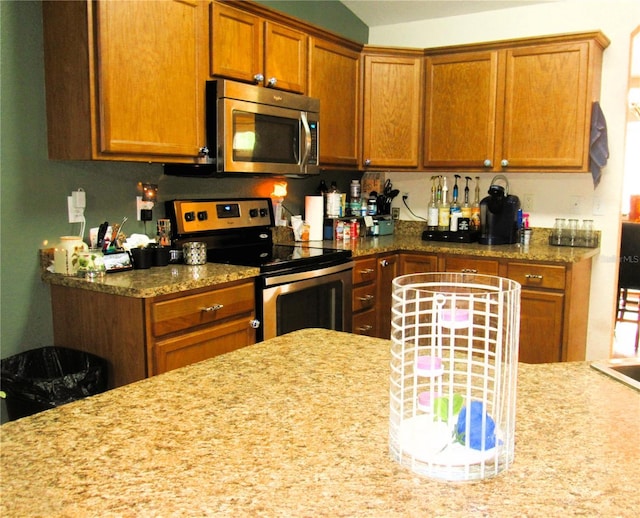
(252, 129)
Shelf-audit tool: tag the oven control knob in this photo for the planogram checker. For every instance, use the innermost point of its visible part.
(263, 213)
(202, 215)
(255, 324)
(253, 213)
(189, 216)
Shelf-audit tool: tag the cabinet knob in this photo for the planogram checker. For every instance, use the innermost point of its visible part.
(258, 78)
(272, 82)
(255, 323)
(487, 163)
(214, 307)
(504, 162)
(384, 263)
(367, 162)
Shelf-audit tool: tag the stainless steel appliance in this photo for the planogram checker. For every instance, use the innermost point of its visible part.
(251, 129)
(299, 286)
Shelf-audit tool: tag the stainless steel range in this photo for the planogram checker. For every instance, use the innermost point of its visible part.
(299, 286)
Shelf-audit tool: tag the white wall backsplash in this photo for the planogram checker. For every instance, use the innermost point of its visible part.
(552, 192)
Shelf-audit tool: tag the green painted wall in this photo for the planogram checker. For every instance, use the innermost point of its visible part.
(34, 189)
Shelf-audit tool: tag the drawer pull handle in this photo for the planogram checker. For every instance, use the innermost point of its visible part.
(210, 309)
(365, 328)
(533, 276)
(367, 298)
(367, 271)
(469, 270)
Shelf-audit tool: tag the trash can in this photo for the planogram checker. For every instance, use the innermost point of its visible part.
(44, 378)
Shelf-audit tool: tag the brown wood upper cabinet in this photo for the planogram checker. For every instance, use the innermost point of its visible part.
(249, 48)
(512, 106)
(392, 107)
(334, 78)
(124, 79)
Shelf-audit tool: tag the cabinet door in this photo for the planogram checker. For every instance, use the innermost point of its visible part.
(460, 111)
(236, 43)
(541, 315)
(334, 78)
(197, 346)
(418, 263)
(150, 96)
(387, 271)
(547, 113)
(285, 58)
(392, 111)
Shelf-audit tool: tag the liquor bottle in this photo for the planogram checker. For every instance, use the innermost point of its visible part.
(475, 208)
(432, 211)
(443, 211)
(455, 211)
(466, 208)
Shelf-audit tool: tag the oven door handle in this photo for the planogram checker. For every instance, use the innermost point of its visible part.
(287, 278)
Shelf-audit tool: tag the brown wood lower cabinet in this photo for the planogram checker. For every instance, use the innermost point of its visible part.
(554, 303)
(144, 337)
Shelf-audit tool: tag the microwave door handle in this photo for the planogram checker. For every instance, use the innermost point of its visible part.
(307, 141)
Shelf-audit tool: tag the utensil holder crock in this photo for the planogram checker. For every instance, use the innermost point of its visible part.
(195, 252)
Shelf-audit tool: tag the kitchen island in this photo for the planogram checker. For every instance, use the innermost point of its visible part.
(298, 426)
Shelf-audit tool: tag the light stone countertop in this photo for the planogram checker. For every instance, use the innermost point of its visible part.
(407, 238)
(298, 426)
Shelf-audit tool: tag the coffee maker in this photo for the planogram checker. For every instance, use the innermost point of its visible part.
(499, 215)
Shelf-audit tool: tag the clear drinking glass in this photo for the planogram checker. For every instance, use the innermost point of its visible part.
(587, 232)
(558, 230)
(573, 230)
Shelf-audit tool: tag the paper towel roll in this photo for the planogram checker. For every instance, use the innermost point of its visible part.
(314, 216)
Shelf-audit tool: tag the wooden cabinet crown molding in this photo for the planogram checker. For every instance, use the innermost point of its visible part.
(597, 36)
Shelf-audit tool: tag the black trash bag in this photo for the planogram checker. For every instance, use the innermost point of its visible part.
(48, 377)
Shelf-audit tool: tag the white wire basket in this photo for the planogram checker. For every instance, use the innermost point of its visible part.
(454, 357)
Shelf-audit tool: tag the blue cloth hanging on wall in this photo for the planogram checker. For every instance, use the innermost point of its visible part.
(598, 143)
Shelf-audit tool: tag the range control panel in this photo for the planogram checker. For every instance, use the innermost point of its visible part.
(194, 216)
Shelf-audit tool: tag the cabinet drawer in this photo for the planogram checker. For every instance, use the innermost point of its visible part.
(364, 297)
(537, 275)
(364, 271)
(365, 323)
(471, 265)
(203, 308)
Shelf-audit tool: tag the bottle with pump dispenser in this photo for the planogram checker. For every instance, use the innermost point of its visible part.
(443, 212)
(475, 208)
(455, 211)
(465, 210)
(432, 211)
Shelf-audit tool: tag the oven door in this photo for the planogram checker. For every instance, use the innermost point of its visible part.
(315, 298)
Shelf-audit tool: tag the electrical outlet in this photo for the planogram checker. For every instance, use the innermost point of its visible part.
(395, 212)
(76, 214)
(598, 206)
(528, 202)
(143, 206)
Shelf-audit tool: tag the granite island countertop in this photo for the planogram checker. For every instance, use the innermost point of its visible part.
(298, 426)
(180, 277)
